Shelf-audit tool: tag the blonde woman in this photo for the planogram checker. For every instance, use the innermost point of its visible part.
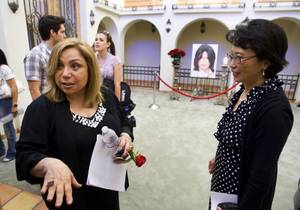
(59, 131)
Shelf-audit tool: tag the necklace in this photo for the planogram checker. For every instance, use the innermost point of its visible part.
(243, 96)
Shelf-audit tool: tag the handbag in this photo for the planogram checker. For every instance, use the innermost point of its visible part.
(125, 100)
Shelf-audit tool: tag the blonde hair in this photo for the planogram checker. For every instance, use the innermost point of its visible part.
(92, 93)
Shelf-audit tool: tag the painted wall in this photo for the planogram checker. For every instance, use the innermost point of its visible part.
(88, 31)
(142, 45)
(14, 42)
(293, 53)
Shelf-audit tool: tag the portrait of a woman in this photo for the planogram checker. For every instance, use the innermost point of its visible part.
(204, 62)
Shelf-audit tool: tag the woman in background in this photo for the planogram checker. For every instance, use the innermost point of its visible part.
(110, 65)
(256, 124)
(8, 105)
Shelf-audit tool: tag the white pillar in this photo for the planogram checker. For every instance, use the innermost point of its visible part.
(166, 68)
(87, 32)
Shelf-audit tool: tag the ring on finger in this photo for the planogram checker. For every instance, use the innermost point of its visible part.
(50, 183)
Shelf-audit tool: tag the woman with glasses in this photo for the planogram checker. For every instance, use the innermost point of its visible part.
(256, 124)
(110, 65)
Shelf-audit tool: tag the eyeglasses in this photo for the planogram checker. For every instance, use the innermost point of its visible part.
(237, 59)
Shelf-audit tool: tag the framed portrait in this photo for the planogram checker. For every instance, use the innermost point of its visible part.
(204, 57)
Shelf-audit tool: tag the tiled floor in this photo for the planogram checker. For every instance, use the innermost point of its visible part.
(12, 198)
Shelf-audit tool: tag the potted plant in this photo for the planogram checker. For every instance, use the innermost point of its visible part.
(176, 55)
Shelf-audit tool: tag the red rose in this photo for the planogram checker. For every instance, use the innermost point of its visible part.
(140, 160)
(137, 158)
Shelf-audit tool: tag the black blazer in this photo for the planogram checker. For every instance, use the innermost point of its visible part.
(265, 134)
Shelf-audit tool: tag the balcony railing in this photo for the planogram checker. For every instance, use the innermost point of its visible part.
(138, 9)
(217, 6)
(281, 5)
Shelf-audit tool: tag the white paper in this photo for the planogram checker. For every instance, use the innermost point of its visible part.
(103, 171)
(216, 198)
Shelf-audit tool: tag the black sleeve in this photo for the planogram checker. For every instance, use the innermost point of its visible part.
(273, 124)
(34, 136)
(112, 101)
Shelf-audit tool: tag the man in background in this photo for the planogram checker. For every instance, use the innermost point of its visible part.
(52, 30)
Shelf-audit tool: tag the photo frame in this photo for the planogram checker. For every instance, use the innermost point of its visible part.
(203, 62)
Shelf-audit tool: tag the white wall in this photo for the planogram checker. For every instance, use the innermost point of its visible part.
(14, 42)
(86, 30)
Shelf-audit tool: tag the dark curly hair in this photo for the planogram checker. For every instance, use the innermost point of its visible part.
(265, 38)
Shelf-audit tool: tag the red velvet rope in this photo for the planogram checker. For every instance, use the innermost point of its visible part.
(196, 97)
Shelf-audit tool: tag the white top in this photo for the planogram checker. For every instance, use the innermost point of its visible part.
(6, 73)
(203, 74)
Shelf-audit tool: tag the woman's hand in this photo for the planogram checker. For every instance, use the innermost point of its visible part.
(14, 110)
(126, 144)
(58, 181)
(211, 165)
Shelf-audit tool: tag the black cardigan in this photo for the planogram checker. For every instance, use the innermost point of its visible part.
(265, 134)
(49, 131)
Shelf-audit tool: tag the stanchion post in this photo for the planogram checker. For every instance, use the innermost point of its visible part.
(154, 106)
